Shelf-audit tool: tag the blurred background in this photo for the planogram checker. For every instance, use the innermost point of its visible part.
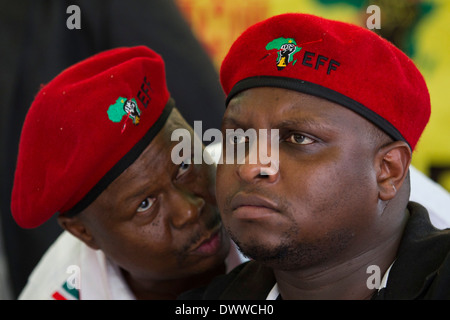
(193, 37)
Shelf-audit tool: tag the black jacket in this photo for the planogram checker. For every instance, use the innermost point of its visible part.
(421, 269)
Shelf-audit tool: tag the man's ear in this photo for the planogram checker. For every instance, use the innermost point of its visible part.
(392, 162)
(76, 226)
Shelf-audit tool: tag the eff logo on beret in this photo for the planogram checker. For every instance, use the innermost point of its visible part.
(124, 107)
(129, 107)
(287, 48)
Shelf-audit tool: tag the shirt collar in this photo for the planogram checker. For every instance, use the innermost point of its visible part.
(275, 293)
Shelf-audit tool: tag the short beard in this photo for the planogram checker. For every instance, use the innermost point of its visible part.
(289, 255)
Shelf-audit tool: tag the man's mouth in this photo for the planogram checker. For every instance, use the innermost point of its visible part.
(252, 207)
(210, 244)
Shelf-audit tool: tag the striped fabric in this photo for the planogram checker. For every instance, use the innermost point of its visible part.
(66, 293)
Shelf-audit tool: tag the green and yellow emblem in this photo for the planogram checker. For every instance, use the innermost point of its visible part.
(286, 48)
(124, 107)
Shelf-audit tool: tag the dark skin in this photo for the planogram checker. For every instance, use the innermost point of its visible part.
(336, 204)
(158, 222)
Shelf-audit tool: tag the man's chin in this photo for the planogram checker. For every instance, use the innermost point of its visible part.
(274, 257)
(287, 257)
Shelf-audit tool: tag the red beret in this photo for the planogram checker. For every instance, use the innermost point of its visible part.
(341, 62)
(84, 129)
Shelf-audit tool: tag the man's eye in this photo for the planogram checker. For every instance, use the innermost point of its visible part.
(146, 204)
(298, 138)
(183, 168)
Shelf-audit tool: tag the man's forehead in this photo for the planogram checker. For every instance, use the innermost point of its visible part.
(157, 154)
(155, 159)
(176, 121)
(277, 104)
(161, 146)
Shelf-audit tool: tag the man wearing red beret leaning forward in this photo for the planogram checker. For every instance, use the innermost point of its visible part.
(96, 148)
(333, 220)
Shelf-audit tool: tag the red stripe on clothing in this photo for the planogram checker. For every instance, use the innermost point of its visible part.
(58, 296)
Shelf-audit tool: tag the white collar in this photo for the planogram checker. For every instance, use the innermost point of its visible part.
(274, 292)
(385, 277)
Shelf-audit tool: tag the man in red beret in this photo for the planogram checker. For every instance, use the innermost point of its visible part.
(334, 221)
(96, 149)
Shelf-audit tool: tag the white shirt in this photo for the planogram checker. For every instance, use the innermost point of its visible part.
(70, 270)
(432, 196)
(274, 292)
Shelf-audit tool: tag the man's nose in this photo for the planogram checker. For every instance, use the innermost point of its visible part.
(257, 171)
(257, 166)
(186, 208)
(252, 173)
